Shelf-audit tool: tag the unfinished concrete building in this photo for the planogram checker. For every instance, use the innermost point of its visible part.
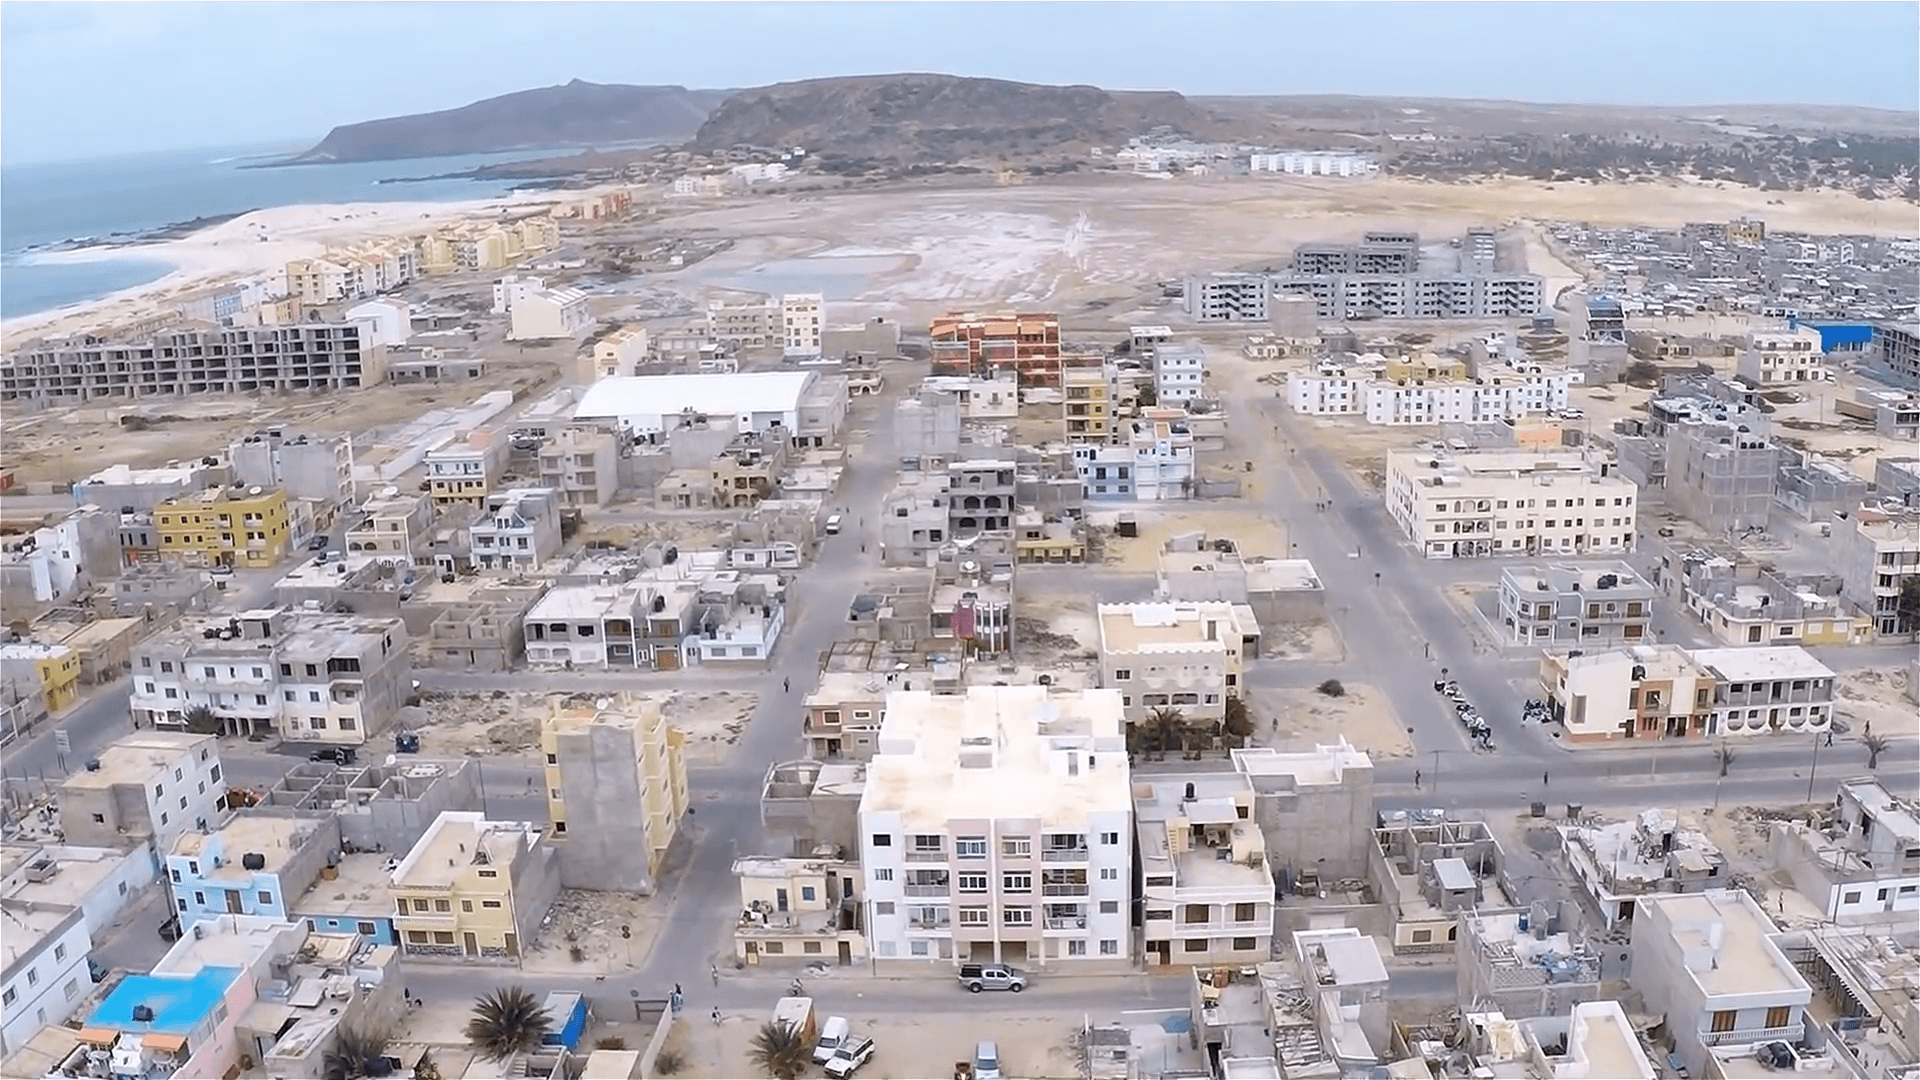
(484, 632)
(1814, 488)
(382, 808)
(1524, 962)
(1721, 476)
(811, 806)
(1314, 808)
(616, 791)
(1431, 872)
(193, 359)
(1657, 852)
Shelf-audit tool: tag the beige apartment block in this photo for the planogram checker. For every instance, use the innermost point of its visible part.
(1207, 893)
(997, 826)
(1877, 554)
(801, 317)
(1182, 655)
(1773, 359)
(149, 785)
(464, 472)
(1642, 692)
(620, 352)
(616, 791)
(193, 358)
(474, 889)
(805, 910)
(1479, 503)
(391, 525)
(843, 714)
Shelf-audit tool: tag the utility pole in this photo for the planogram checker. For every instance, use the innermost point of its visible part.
(1814, 768)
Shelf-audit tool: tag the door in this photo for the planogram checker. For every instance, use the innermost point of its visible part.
(846, 953)
(666, 660)
(473, 946)
(233, 901)
(779, 899)
(513, 944)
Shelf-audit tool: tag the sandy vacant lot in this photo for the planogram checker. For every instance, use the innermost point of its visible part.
(1297, 718)
(506, 724)
(903, 1046)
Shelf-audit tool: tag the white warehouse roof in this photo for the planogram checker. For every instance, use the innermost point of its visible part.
(726, 394)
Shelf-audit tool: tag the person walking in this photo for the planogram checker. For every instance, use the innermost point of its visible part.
(786, 685)
(1416, 778)
(1543, 778)
(714, 969)
(716, 1014)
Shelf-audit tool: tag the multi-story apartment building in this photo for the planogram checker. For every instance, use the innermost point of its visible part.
(1769, 689)
(149, 786)
(391, 525)
(1313, 163)
(474, 888)
(193, 359)
(463, 472)
(239, 527)
(517, 530)
(1179, 372)
(1774, 359)
(1453, 504)
(997, 827)
(1643, 692)
(980, 496)
(844, 712)
(1378, 252)
(550, 315)
(754, 324)
(1351, 296)
(1708, 963)
(47, 670)
(513, 288)
(1877, 554)
(255, 864)
(1897, 347)
(616, 791)
(1721, 476)
(1163, 457)
(1186, 656)
(582, 465)
(641, 624)
(1106, 471)
(45, 968)
(318, 467)
(801, 317)
(1489, 399)
(1227, 297)
(1744, 603)
(1085, 404)
(1206, 892)
(306, 676)
(621, 352)
(1582, 607)
(1864, 867)
(1025, 345)
(1329, 389)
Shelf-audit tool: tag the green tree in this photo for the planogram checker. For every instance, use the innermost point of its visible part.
(1876, 745)
(1166, 724)
(357, 1053)
(1725, 755)
(1239, 722)
(506, 1022)
(779, 1051)
(201, 720)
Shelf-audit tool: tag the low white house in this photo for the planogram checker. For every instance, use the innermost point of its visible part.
(550, 314)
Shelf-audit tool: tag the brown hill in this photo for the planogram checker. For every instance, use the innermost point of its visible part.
(942, 117)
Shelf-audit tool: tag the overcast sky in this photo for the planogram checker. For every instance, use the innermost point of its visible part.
(82, 80)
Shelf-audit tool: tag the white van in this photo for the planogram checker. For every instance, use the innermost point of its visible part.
(833, 1034)
(833, 525)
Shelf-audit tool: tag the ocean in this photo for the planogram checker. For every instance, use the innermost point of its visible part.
(48, 203)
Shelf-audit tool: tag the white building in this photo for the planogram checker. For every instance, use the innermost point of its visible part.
(1768, 689)
(517, 530)
(1332, 390)
(1163, 459)
(44, 975)
(1328, 390)
(550, 314)
(997, 827)
(1180, 655)
(762, 401)
(102, 882)
(1774, 359)
(1206, 891)
(390, 322)
(620, 352)
(1708, 963)
(582, 465)
(1510, 502)
(1179, 372)
(1313, 163)
(801, 315)
(510, 290)
(150, 786)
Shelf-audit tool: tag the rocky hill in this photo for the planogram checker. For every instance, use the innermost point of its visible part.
(577, 114)
(942, 117)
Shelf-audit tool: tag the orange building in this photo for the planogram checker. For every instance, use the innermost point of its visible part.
(1027, 344)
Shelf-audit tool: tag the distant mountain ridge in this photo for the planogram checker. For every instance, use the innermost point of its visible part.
(551, 117)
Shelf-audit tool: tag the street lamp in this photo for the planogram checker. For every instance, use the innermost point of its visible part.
(1815, 766)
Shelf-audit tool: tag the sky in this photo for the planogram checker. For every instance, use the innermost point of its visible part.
(83, 80)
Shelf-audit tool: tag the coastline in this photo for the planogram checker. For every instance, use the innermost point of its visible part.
(240, 247)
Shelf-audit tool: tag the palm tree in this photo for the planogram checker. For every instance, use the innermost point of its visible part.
(357, 1052)
(779, 1050)
(201, 720)
(1725, 755)
(1167, 723)
(1238, 723)
(506, 1022)
(1876, 745)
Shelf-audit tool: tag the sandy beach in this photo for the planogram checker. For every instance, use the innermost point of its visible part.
(251, 244)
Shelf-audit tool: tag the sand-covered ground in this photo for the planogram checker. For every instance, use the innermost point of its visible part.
(507, 724)
(1298, 718)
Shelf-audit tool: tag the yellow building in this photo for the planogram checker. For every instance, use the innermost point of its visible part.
(50, 671)
(242, 527)
(1085, 403)
(473, 888)
(807, 910)
(1536, 431)
(1428, 366)
(616, 790)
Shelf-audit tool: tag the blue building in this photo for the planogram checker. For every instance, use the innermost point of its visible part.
(353, 896)
(1844, 338)
(259, 863)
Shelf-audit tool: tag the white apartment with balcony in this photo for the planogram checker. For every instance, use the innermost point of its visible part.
(517, 530)
(1185, 655)
(801, 316)
(1206, 891)
(1480, 503)
(1774, 359)
(997, 826)
(1707, 962)
(513, 288)
(1179, 372)
(1489, 399)
(1328, 390)
(582, 464)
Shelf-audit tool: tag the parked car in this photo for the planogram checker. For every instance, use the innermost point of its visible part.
(170, 930)
(221, 570)
(856, 1051)
(832, 1034)
(986, 1060)
(978, 977)
(833, 525)
(339, 755)
(318, 543)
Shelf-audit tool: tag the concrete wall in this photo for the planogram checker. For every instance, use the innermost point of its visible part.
(606, 843)
(399, 814)
(1325, 828)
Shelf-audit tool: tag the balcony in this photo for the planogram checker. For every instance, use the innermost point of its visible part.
(1789, 1034)
(917, 922)
(1074, 854)
(1080, 889)
(935, 855)
(934, 891)
(1076, 922)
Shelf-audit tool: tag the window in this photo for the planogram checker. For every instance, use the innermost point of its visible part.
(970, 847)
(1017, 883)
(806, 892)
(466, 905)
(60, 951)
(442, 905)
(443, 937)
(1242, 944)
(489, 873)
(1109, 947)
(266, 897)
(1422, 937)
(1109, 838)
(1077, 947)
(1850, 897)
(1195, 944)
(365, 928)
(1017, 916)
(1779, 1016)
(882, 840)
(1723, 1020)
(1108, 873)
(883, 907)
(1244, 912)
(1016, 847)
(1123, 674)
(1109, 907)
(886, 948)
(973, 916)
(914, 948)
(33, 976)
(883, 874)
(8, 997)
(971, 883)
(1159, 914)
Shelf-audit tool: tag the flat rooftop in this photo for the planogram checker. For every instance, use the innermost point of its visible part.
(275, 838)
(1011, 744)
(1600, 1034)
(27, 925)
(132, 759)
(362, 887)
(1743, 960)
(457, 840)
(1324, 764)
(81, 870)
(1762, 663)
(179, 1002)
(1178, 626)
(730, 394)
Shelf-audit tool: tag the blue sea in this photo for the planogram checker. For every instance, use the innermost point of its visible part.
(43, 204)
